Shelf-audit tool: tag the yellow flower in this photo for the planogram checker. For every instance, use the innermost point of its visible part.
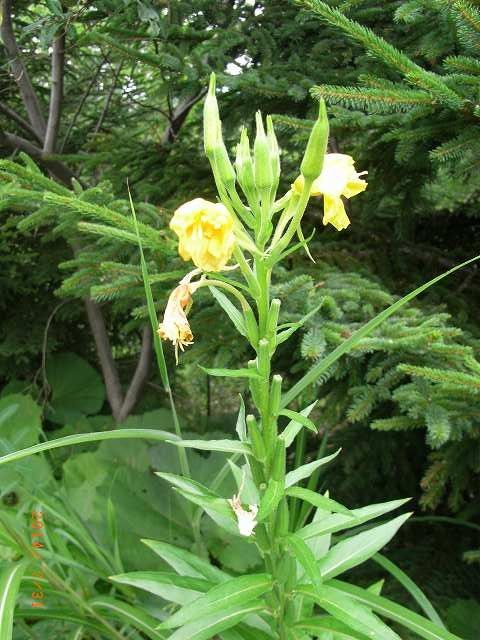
(205, 232)
(338, 178)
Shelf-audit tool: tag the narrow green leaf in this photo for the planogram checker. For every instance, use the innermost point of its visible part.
(237, 591)
(306, 470)
(128, 614)
(241, 426)
(218, 509)
(186, 484)
(231, 373)
(413, 621)
(317, 370)
(231, 310)
(415, 591)
(10, 578)
(270, 499)
(328, 626)
(57, 613)
(288, 329)
(355, 550)
(206, 628)
(299, 417)
(186, 563)
(228, 446)
(322, 502)
(167, 585)
(305, 557)
(339, 521)
(345, 609)
(294, 426)
(96, 436)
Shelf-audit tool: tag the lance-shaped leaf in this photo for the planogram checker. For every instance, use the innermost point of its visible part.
(231, 373)
(289, 328)
(127, 614)
(355, 550)
(207, 627)
(328, 627)
(339, 521)
(186, 563)
(388, 609)
(237, 591)
(305, 557)
(299, 417)
(294, 426)
(228, 446)
(241, 425)
(318, 369)
(306, 470)
(167, 585)
(231, 310)
(322, 502)
(345, 609)
(10, 578)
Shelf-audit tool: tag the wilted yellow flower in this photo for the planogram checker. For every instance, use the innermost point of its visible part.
(246, 520)
(205, 232)
(175, 325)
(338, 178)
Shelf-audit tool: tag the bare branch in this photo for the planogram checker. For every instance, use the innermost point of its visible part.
(56, 93)
(13, 115)
(140, 376)
(57, 169)
(19, 71)
(178, 117)
(108, 99)
(105, 357)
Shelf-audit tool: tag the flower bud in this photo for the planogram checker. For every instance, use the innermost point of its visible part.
(225, 169)
(244, 164)
(312, 162)
(261, 153)
(211, 119)
(274, 150)
(275, 394)
(256, 439)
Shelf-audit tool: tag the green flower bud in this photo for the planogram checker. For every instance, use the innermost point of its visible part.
(312, 162)
(244, 164)
(261, 153)
(274, 150)
(275, 394)
(256, 439)
(225, 168)
(211, 119)
(278, 462)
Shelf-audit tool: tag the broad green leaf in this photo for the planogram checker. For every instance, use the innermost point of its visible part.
(357, 616)
(318, 500)
(10, 578)
(169, 586)
(305, 557)
(186, 563)
(229, 446)
(328, 626)
(231, 310)
(82, 438)
(77, 388)
(299, 417)
(128, 614)
(355, 550)
(317, 370)
(339, 521)
(231, 373)
(294, 426)
(205, 628)
(306, 470)
(410, 586)
(270, 499)
(388, 609)
(237, 591)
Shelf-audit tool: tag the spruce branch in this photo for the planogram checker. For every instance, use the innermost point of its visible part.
(375, 100)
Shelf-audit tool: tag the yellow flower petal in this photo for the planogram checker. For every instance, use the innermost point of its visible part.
(334, 213)
(205, 231)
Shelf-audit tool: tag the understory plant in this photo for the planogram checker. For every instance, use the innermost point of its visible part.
(306, 540)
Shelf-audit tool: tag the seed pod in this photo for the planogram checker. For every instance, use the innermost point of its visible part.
(312, 162)
(278, 462)
(275, 395)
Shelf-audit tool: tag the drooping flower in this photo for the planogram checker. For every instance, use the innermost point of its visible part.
(175, 326)
(245, 519)
(338, 178)
(205, 232)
